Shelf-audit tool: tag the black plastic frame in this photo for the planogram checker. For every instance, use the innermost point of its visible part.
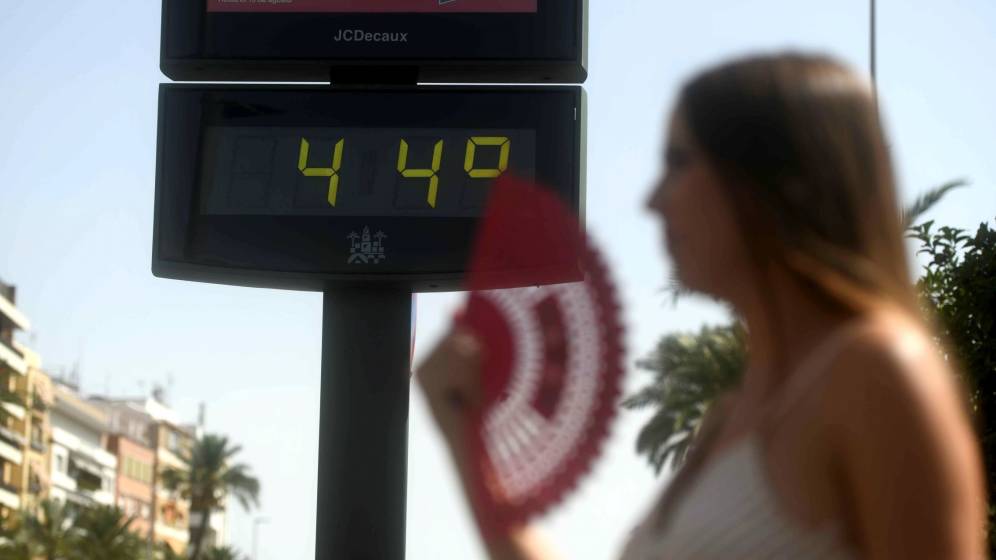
(295, 252)
(548, 46)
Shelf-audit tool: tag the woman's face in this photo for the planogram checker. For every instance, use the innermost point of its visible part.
(700, 229)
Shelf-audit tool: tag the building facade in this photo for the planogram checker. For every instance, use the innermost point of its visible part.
(135, 490)
(36, 391)
(83, 471)
(13, 372)
(172, 511)
(151, 424)
(98, 451)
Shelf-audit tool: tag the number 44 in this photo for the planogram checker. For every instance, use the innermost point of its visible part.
(431, 173)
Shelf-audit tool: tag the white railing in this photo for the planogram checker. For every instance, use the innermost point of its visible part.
(64, 481)
(11, 453)
(174, 533)
(102, 497)
(171, 459)
(15, 410)
(75, 444)
(13, 359)
(10, 499)
(11, 311)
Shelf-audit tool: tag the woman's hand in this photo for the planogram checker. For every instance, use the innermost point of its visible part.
(450, 377)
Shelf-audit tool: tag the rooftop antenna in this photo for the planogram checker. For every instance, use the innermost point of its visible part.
(73, 379)
(159, 393)
(169, 385)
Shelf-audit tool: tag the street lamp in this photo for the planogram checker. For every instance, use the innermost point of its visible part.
(255, 535)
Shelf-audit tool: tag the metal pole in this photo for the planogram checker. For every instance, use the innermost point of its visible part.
(363, 430)
(871, 52)
(255, 535)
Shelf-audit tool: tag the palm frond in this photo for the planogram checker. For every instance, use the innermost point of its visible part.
(689, 371)
(924, 202)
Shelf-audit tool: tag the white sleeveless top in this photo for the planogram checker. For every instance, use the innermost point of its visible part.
(730, 510)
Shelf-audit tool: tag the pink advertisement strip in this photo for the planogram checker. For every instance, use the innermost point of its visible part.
(374, 6)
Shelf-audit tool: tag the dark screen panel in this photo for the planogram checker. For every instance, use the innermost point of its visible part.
(375, 6)
(309, 249)
(455, 47)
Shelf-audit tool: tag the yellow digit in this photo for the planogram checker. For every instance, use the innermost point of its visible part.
(487, 173)
(437, 158)
(331, 172)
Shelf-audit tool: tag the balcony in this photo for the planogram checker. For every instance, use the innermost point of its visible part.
(10, 311)
(14, 409)
(12, 437)
(176, 534)
(11, 454)
(9, 497)
(37, 402)
(88, 498)
(13, 359)
(8, 487)
(38, 446)
(82, 485)
(84, 451)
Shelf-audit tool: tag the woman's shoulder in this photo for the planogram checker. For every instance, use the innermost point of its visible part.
(892, 362)
(898, 422)
(892, 354)
(891, 394)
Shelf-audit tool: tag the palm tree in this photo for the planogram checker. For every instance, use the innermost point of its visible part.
(14, 544)
(52, 535)
(165, 552)
(223, 553)
(209, 476)
(924, 202)
(105, 532)
(690, 371)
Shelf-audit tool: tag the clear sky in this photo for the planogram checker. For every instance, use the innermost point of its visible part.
(78, 83)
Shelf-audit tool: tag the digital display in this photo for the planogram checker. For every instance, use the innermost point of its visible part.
(395, 41)
(303, 186)
(423, 172)
(374, 6)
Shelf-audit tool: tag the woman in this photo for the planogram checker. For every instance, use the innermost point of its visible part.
(847, 437)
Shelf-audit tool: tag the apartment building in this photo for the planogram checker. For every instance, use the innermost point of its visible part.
(98, 451)
(13, 370)
(157, 428)
(36, 391)
(83, 471)
(135, 489)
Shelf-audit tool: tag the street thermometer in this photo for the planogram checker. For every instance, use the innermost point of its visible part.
(367, 186)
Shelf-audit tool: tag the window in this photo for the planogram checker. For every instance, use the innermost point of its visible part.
(173, 442)
(37, 435)
(137, 470)
(60, 463)
(7, 474)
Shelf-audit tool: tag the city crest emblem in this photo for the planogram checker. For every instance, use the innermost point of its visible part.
(365, 248)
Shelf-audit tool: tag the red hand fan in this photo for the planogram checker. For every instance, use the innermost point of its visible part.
(552, 355)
